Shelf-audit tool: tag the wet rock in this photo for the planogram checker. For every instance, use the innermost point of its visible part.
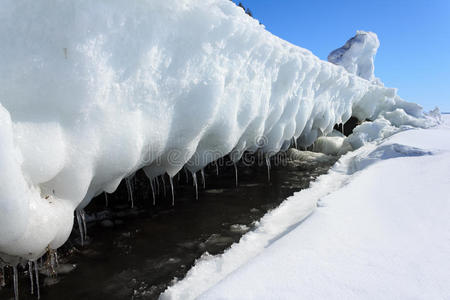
(49, 281)
(107, 223)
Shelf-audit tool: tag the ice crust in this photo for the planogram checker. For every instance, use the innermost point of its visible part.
(92, 91)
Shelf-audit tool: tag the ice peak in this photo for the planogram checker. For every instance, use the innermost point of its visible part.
(357, 55)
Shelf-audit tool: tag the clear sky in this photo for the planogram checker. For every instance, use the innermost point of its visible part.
(414, 55)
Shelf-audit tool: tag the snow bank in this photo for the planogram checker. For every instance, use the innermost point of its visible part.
(380, 231)
(92, 91)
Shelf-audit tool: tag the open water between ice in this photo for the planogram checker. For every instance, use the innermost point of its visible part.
(135, 253)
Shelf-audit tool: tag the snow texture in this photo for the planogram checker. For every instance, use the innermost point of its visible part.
(380, 231)
(357, 55)
(96, 90)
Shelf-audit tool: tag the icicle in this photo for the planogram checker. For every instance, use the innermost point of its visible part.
(36, 273)
(164, 185)
(2, 277)
(157, 185)
(203, 178)
(217, 168)
(53, 263)
(106, 199)
(56, 258)
(295, 143)
(80, 227)
(83, 219)
(171, 188)
(187, 175)
(16, 283)
(153, 191)
(268, 167)
(130, 191)
(194, 178)
(342, 128)
(236, 174)
(30, 273)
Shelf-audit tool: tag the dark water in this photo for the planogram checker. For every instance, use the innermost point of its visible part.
(136, 253)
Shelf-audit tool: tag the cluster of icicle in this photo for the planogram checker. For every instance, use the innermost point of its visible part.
(103, 89)
(32, 267)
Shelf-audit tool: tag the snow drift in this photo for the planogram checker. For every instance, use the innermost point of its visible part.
(92, 91)
(380, 231)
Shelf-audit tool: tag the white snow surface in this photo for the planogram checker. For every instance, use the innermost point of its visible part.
(381, 230)
(92, 91)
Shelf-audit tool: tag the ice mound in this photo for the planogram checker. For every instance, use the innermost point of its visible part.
(330, 144)
(357, 55)
(96, 90)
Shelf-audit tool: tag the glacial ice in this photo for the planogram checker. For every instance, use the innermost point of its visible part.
(97, 90)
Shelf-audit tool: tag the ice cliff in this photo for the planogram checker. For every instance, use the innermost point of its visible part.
(92, 91)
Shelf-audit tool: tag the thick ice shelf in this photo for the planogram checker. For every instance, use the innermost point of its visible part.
(94, 91)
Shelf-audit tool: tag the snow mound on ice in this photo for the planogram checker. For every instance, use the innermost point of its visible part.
(330, 145)
(357, 55)
(97, 90)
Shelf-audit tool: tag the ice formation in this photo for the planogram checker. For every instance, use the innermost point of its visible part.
(357, 55)
(96, 90)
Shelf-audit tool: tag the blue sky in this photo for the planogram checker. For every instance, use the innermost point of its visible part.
(414, 55)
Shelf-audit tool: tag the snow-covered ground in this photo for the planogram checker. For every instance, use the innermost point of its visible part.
(381, 230)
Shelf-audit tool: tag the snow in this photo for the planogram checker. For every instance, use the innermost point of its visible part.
(96, 90)
(380, 231)
(357, 55)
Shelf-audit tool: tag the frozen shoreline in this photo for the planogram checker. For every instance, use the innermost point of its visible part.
(382, 233)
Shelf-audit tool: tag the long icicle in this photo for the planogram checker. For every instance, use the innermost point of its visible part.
(16, 282)
(203, 178)
(268, 168)
(56, 257)
(30, 273)
(153, 191)
(217, 168)
(194, 178)
(157, 185)
(236, 174)
(187, 175)
(83, 218)
(106, 199)
(80, 227)
(53, 261)
(164, 184)
(171, 188)
(36, 273)
(130, 191)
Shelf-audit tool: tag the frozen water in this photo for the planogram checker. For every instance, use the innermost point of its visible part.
(98, 90)
(357, 55)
